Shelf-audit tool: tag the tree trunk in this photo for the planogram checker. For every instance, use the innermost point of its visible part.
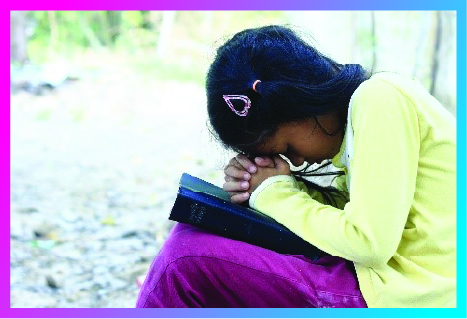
(54, 31)
(18, 37)
(168, 21)
(443, 75)
(437, 45)
(373, 42)
(87, 30)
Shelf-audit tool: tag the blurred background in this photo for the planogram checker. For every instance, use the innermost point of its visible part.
(108, 110)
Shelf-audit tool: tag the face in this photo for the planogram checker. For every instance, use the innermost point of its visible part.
(306, 141)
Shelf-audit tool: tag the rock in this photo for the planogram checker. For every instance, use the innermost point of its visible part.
(51, 282)
(27, 210)
(130, 233)
(43, 229)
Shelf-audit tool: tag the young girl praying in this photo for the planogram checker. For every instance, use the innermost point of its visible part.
(387, 222)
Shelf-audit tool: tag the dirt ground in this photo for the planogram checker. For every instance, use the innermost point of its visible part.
(95, 166)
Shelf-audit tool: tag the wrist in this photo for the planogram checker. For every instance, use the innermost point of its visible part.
(266, 183)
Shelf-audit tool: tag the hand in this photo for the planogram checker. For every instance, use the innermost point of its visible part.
(275, 166)
(238, 173)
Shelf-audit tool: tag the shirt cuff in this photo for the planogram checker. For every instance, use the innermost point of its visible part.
(267, 182)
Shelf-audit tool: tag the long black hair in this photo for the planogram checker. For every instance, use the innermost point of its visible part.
(297, 82)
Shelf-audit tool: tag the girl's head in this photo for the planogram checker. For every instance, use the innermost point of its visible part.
(297, 83)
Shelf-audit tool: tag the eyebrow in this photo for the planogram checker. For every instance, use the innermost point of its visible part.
(256, 154)
(272, 151)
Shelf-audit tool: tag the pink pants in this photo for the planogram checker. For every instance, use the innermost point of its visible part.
(198, 269)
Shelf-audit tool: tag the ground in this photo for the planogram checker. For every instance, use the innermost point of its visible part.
(95, 166)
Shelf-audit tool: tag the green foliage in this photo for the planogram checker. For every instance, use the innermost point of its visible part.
(135, 39)
(64, 29)
(365, 39)
(36, 49)
(163, 70)
(132, 19)
(136, 34)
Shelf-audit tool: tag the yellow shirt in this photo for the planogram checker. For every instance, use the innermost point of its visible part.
(399, 225)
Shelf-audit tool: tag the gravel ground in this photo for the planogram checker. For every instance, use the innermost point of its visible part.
(95, 166)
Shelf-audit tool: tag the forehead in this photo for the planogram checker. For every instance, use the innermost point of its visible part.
(265, 145)
(269, 147)
(276, 142)
(288, 133)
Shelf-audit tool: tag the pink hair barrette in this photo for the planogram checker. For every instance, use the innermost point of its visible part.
(244, 98)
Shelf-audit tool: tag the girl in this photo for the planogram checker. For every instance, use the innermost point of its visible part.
(388, 222)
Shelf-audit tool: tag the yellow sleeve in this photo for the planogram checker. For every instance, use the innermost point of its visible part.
(340, 198)
(384, 168)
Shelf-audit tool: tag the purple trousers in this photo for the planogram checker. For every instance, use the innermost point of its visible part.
(198, 269)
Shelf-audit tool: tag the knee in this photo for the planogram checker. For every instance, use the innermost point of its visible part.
(173, 281)
(190, 241)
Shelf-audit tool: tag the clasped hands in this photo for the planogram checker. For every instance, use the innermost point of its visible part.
(243, 176)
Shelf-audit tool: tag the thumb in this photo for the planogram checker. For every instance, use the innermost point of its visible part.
(265, 162)
(281, 163)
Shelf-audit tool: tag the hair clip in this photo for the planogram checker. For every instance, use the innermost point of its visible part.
(244, 98)
(255, 84)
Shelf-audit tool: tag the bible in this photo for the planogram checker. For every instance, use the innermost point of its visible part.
(208, 207)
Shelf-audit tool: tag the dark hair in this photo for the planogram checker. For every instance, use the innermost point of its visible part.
(297, 82)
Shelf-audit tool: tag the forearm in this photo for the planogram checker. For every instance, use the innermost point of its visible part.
(331, 196)
(324, 226)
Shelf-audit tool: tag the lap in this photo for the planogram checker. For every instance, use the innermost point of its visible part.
(213, 271)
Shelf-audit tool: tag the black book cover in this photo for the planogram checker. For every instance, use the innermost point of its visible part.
(207, 206)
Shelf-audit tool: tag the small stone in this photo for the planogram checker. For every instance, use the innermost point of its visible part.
(27, 210)
(43, 229)
(51, 282)
(131, 233)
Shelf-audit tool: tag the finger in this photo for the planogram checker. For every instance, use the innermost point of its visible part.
(246, 163)
(265, 161)
(240, 197)
(235, 186)
(228, 178)
(280, 163)
(233, 162)
(235, 172)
